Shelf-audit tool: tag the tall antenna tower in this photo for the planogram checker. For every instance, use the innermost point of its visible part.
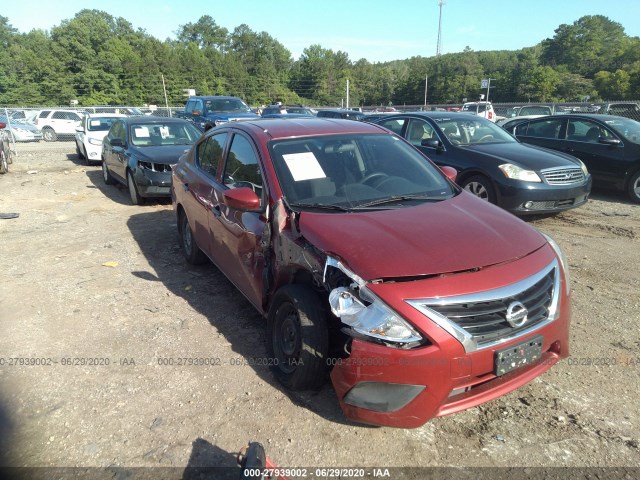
(439, 46)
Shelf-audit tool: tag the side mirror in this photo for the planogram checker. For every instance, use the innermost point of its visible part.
(450, 172)
(242, 198)
(609, 141)
(432, 143)
(79, 129)
(116, 142)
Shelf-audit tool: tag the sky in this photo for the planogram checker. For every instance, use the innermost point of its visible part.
(377, 30)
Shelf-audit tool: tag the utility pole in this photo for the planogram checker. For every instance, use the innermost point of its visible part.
(426, 84)
(347, 93)
(439, 44)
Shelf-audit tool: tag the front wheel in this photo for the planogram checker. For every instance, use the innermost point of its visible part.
(4, 165)
(136, 199)
(633, 188)
(106, 174)
(481, 187)
(297, 338)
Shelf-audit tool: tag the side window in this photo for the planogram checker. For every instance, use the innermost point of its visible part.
(59, 116)
(44, 114)
(242, 168)
(521, 129)
(210, 152)
(586, 131)
(394, 124)
(544, 129)
(190, 106)
(418, 130)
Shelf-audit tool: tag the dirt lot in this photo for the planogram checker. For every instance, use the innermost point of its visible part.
(107, 333)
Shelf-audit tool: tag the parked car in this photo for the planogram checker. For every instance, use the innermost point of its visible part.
(495, 166)
(366, 260)
(19, 131)
(483, 109)
(284, 109)
(215, 110)
(91, 132)
(339, 113)
(507, 123)
(56, 124)
(621, 109)
(139, 151)
(534, 110)
(608, 144)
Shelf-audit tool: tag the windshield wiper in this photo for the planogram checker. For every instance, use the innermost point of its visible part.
(321, 206)
(398, 198)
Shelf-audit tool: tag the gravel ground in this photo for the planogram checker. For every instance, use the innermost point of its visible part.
(97, 290)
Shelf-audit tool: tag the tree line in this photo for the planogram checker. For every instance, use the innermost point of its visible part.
(98, 59)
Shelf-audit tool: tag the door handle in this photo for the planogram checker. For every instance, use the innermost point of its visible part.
(216, 211)
(185, 187)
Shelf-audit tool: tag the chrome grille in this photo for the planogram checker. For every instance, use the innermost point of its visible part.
(563, 176)
(480, 320)
(486, 321)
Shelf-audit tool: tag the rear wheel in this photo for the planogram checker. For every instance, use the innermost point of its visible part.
(49, 134)
(297, 338)
(633, 188)
(136, 199)
(190, 249)
(481, 187)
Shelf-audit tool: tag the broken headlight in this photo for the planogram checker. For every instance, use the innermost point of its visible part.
(375, 320)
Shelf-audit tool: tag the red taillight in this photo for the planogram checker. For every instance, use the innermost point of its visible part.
(490, 115)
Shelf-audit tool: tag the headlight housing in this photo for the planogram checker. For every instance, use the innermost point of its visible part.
(376, 320)
(563, 261)
(518, 173)
(95, 141)
(583, 167)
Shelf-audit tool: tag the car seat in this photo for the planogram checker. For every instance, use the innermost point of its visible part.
(416, 132)
(593, 134)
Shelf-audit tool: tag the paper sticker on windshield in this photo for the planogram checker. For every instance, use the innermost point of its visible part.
(142, 132)
(164, 132)
(304, 166)
(95, 123)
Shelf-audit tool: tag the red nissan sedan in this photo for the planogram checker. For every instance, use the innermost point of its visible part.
(371, 266)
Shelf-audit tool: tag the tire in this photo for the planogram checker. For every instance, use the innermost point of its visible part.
(633, 187)
(4, 165)
(481, 187)
(106, 174)
(136, 199)
(190, 250)
(79, 152)
(49, 135)
(297, 338)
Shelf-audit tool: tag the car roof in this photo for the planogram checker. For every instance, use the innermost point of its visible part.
(151, 119)
(278, 128)
(442, 115)
(103, 115)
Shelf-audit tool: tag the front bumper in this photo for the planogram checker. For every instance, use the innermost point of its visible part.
(405, 388)
(151, 183)
(523, 198)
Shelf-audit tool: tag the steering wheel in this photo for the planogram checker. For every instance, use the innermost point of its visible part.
(368, 178)
(485, 138)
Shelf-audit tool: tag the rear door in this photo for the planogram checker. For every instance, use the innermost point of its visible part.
(198, 178)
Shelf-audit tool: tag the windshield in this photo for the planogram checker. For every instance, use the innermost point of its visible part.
(355, 171)
(159, 134)
(627, 128)
(100, 124)
(227, 105)
(466, 132)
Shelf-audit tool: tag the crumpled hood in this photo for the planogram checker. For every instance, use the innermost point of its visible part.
(168, 154)
(432, 238)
